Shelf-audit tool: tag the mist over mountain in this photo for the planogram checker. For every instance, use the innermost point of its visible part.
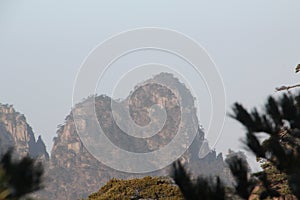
(72, 172)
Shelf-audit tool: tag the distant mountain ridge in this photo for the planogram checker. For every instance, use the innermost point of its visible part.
(73, 173)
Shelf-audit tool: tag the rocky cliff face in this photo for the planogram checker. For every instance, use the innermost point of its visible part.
(74, 173)
(72, 170)
(16, 133)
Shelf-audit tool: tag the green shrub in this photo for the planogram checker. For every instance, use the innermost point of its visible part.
(147, 188)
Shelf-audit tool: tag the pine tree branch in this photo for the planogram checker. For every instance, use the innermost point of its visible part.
(286, 87)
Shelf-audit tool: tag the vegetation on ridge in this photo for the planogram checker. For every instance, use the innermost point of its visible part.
(144, 188)
(278, 153)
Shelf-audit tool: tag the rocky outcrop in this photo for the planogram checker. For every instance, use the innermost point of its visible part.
(74, 173)
(17, 134)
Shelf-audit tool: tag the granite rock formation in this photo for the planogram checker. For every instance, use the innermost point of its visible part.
(16, 133)
(72, 172)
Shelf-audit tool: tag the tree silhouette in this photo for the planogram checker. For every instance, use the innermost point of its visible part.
(18, 178)
(201, 188)
(279, 153)
(240, 170)
(280, 120)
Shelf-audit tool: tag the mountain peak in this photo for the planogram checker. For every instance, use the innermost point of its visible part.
(16, 133)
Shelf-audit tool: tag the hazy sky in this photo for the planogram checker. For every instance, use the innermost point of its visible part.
(255, 45)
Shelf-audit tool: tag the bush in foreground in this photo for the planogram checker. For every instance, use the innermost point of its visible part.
(19, 178)
(144, 188)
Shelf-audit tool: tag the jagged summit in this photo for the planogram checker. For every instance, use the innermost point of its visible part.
(17, 133)
(74, 167)
(72, 172)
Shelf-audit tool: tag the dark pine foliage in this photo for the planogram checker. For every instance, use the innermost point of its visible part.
(280, 120)
(244, 183)
(200, 188)
(208, 188)
(20, 177)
